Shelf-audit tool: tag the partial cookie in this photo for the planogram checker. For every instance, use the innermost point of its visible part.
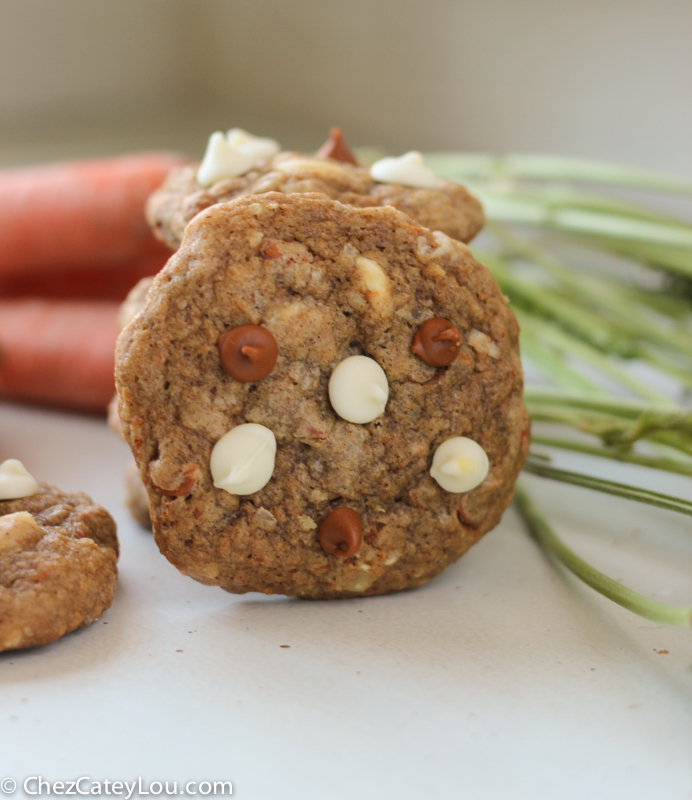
(57, 566)
(449, 208)
(136, 498)
(244, 472)
(135, 494)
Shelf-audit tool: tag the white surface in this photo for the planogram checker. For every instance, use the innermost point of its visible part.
(502, 678)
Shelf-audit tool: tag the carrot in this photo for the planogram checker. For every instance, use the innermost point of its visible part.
(58, 353)
(80, 213)
(87, 283)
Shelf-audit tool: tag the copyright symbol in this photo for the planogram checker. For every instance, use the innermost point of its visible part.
(8, 785)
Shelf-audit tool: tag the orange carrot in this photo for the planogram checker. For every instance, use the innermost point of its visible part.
(100, 282)
(79, 214)
(58, 353)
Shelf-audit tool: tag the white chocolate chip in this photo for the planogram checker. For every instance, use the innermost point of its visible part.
(459, 464)
(15, 481)
(482, 343)
(242, 461)
(358, 389)
(221, 160)
(407, 170)
(18, 532)
(233, 155)
(375, 285)
(260, 149)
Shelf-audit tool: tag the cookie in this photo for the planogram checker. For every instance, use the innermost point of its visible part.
(57, 566)
(449, 208)
(244, 475)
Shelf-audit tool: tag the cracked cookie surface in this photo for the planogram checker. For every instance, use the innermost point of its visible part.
(450, 209)
(328, 281)
(57, 566)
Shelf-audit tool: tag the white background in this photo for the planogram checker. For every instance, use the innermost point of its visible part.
(608, 79)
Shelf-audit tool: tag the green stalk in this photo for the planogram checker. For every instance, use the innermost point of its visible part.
(657, 499)
(611, 430)
(547, 303)
(627, 456)
(553, 366)
(670, 258)
(542, 211)
(621, 407)
(539, 527)
(565, 344)
(607, 297)
(591, 415)
(672, 440)
(670, 365)
(668, 305)
(538, 167)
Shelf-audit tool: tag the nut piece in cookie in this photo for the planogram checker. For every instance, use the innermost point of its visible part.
(319, 478)
(236, 166)
(57, 565)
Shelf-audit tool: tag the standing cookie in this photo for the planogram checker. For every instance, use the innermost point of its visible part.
(239, 164)
(353, 461)
(57, 560)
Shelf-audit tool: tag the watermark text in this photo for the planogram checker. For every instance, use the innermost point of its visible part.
(35, 785)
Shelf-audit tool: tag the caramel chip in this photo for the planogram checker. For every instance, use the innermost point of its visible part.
(248, 352)
(336, 148)
(437, 342)
(341, 533)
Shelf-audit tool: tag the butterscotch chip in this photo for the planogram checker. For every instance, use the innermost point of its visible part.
(341, 533)
(450, 209)
(248, 352)
(317, 281)
(437, 342)
(57, 566)
(336, 148)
